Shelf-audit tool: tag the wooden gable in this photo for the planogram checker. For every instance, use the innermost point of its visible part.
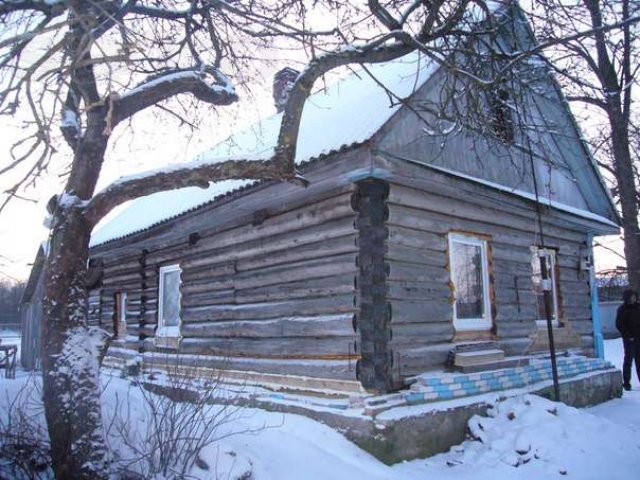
(547, 155)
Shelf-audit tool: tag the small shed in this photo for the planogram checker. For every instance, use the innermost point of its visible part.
(31, 312)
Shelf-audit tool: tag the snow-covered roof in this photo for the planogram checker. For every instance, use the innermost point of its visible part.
(349, 112)
(144, 212)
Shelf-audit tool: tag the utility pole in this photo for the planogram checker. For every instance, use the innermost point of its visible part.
(547, 285)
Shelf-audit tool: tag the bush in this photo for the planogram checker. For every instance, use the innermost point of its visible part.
(24, 442)
(165, 421)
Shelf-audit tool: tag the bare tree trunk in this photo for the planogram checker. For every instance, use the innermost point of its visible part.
(70, 359)
(71, 351)
(627, 191)
(617, 86)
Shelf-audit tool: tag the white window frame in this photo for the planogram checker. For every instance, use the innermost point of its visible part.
(486, 321)
(163, 330)
(121, 327)
(551, 268)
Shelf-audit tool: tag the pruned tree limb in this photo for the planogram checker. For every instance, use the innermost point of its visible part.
(167, 85)
(195, 175)
(51, 9)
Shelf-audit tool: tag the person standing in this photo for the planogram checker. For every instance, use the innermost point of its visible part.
(628, 324)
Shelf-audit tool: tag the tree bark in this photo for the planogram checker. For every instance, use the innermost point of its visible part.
(71, 351)
(623, 165)
(70, 356)
(617, 104)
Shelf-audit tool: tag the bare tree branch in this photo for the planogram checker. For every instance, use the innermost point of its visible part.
(168, 85)
(383, 15)
(198, 175)
(50, 9)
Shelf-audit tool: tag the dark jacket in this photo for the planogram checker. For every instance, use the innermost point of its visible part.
(628, 317)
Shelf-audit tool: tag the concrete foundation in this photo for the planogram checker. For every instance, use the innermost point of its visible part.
(435, 431)
(406, 432)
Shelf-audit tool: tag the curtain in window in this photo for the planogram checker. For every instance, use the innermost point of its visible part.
(468, 280)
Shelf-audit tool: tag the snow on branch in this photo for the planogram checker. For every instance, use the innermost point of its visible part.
(70, 124)
(220, 91)
(157, 12)
(370, 53)
(280, 165)
(197, 174)
(51, 8)
(394, 44)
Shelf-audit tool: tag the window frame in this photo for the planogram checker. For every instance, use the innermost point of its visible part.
(551, 267)
(120, 325)
(171, 331)
(486, 321)
(501, 115)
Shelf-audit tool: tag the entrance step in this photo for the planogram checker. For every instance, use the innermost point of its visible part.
(477, 356)
(493, 365)
(471, 357)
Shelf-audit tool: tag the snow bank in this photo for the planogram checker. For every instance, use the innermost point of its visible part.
(522, 438)
(531, 437)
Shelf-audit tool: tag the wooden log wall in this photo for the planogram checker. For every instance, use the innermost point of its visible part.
(30, 320)
(120, 274)
(423, 208)
(306, 282)
(274, 293)
(374, 310)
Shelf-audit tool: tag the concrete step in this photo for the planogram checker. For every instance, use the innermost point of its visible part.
(476, 357)
(493, 365)
(473, 346)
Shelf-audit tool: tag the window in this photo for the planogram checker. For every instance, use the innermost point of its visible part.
(470, 280)
(169, 302)
(540, 285)
(502, 120)
(120, 318)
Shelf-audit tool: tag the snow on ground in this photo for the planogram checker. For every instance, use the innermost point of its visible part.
(623, 411)
(524, 437)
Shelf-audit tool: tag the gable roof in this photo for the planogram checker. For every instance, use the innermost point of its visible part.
(346, 114)
(349, 112)
(35, 275)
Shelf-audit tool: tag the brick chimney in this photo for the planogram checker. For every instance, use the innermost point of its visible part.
(282, 83)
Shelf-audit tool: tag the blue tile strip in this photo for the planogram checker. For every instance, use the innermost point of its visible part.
(445, 386)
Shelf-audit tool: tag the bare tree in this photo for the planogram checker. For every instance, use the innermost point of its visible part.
(598, 73)
(99, 63)
(86, 67)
